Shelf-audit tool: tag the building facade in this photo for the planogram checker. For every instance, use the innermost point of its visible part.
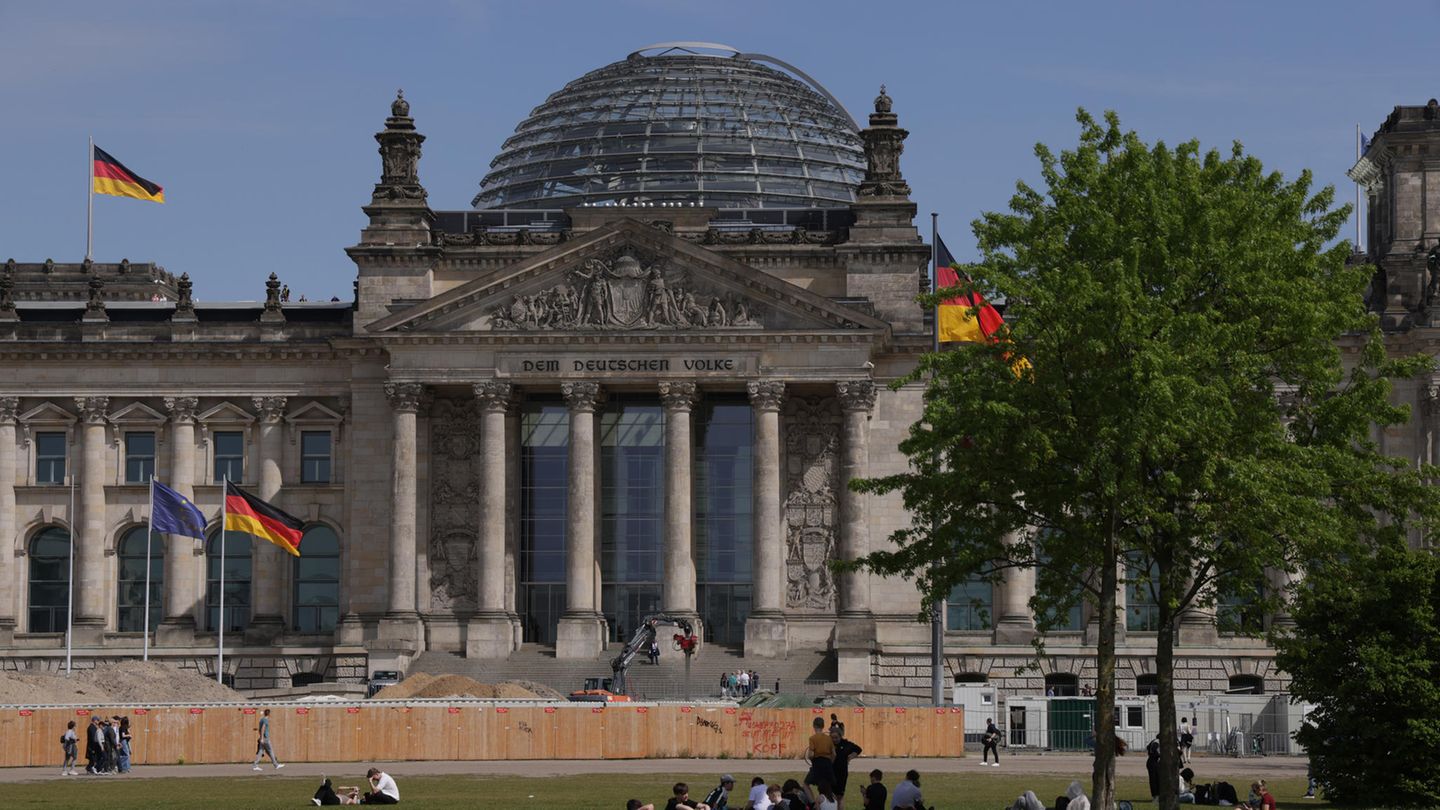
(637, 379)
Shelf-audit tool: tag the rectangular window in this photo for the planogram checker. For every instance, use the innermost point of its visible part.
(139, 457)
(315, 457)
(968, 608)
(1142, 613)
(50, 458)
(229, 456)
(1135, 716)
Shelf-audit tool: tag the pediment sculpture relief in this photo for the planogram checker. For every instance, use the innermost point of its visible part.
(623, 294)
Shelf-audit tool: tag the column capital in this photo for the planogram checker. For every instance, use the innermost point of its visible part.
(182, 409)
(93, 409)
(1431, 397)
(405, 397)
(582, 396)
(678, 396)
(856, 395)
(494, 395)
(766, 395)
(9, 408)
(271, 409)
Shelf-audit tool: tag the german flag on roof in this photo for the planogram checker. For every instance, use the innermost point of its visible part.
(246, 513)
(111, 177)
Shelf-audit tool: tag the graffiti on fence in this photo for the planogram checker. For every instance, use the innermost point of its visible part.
(710, 724)
(766, 737)
(524, 726)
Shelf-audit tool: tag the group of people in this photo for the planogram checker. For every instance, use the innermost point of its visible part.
(383, 790)
(739, 684)
(1188, 792)
(107, 746)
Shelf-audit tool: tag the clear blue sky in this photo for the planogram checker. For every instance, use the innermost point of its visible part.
(257, 117)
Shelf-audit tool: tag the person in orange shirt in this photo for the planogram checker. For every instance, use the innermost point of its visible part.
(821, 754)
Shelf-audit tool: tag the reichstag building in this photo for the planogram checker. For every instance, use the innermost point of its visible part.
(634, 377)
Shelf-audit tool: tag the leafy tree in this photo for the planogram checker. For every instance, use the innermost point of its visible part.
(1366, 653)
(1182, 404)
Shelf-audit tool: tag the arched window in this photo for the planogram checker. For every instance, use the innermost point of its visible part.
(317, 581)
(1246, 685)
(130, 595)
(49, 579)
(237, 581)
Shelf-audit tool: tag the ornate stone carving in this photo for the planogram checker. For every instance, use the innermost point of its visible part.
(766, 395)
(678, 396)
(93, 410)
(7, 293)
(884, 142)
(182, 409)
(621, 294)
(272, 300)
(9, 408)
(405, 396)
(582, 396)
(271, 409)
(856, 395)
(494, 395)
(454, 503)
(399, 155)
(95, 305)
(812, 446)
(184, 304)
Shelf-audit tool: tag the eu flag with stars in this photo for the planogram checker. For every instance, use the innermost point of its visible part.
(173, 513)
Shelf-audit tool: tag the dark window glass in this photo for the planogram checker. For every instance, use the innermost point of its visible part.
(49, 556)
(724, 518)
(229, 456)
(315, 457)
(1147, 684)
(130, 591)
(139, 457)
(969, 606)
(1062, 685)
(317, 580)
(632, 438)
(1142, 613)
(1238, 610)
(544, 495)
(1246, 685)
(50, 458)
(237, 581)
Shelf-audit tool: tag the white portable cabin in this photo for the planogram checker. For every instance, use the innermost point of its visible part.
(980, 702)
(1068, 723)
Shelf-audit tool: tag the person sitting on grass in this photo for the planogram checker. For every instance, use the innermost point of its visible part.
(907, 793)
(757, 798)
(383, 789)
(682, 801)
(1076, 796)
(634, 804)
(875, 793)
(796, 796)
(325, 795)
(719, 798)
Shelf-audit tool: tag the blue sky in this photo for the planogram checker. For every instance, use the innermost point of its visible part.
(258, 117)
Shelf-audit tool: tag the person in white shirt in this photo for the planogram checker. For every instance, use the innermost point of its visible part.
(744, 678)
(757, 799)
(383, 789)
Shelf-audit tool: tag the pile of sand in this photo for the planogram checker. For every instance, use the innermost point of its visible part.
(423, 685)
(120, 683)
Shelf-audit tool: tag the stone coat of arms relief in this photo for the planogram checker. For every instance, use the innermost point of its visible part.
(454, 499)
(622, 294)
(812, 449)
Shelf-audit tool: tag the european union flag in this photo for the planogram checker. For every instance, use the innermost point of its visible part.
(173, 513)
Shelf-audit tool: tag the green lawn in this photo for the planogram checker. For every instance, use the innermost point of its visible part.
(601, 792)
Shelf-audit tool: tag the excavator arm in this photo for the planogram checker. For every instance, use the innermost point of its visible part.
(645, 634)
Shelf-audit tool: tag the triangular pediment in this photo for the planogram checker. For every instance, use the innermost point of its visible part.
(137, 412)
(226, 412)
(314, 412)
(47, 412)
(628, 277)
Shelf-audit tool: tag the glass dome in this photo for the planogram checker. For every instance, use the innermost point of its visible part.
(692, 123)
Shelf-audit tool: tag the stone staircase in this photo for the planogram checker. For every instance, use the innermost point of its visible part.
(803, 672)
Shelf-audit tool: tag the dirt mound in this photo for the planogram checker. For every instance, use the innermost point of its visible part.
(423, 685)
(119, 683)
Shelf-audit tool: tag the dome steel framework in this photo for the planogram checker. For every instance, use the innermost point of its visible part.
(694, 123)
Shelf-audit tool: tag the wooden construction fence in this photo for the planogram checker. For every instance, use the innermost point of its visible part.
(391, 731)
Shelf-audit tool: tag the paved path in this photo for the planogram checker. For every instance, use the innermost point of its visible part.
(1077, 765)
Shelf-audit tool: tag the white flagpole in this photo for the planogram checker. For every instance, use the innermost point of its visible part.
(220, 645)
(70, 585)
(90, 201)
(149, 538)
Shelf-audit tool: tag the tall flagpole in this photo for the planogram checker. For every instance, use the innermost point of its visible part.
(1358, 141)
(220, 645)
(937, 624)
(90, 201)
(70, 588)
(149, 538)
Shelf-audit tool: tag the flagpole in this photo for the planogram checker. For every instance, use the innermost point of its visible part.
(1358, 155)
(90, 201)
(220, 644)
(70, 585)
(937, 624)
(149, 538)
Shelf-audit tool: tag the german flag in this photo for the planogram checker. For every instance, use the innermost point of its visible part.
(111, 177)
(966, 318)
(246, 513)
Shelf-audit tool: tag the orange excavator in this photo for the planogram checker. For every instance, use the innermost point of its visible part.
(612, 689)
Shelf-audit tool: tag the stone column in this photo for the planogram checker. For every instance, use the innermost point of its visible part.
(269, 579)
(9, 408)
(489, 633)
(1197, 625)
(580, 633)
(855, 631)
(679, 572)
(90, 580)
(182, 585)
(765, 631)
(1015, 624)
(512, 521)
(401, 619)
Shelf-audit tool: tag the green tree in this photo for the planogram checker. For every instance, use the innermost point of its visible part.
(1182, 403)
(1365, 653)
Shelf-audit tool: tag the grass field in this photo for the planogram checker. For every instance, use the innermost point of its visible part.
(600, 792)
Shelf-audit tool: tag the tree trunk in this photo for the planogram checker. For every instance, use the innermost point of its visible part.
(1165, 672)
(1102, 783)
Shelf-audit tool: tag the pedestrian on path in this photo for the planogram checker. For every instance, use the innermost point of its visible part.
(70, 744)
(991, 743)
(262, 744)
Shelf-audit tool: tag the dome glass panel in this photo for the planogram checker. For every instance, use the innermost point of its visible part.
(681, 127)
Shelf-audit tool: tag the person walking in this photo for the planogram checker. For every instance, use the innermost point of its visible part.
(70, 744)
(1152, 765)
(112, 745)
(991, 743)
(94, 747)
(122, 750)
(262, 744)
(1187, 740)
